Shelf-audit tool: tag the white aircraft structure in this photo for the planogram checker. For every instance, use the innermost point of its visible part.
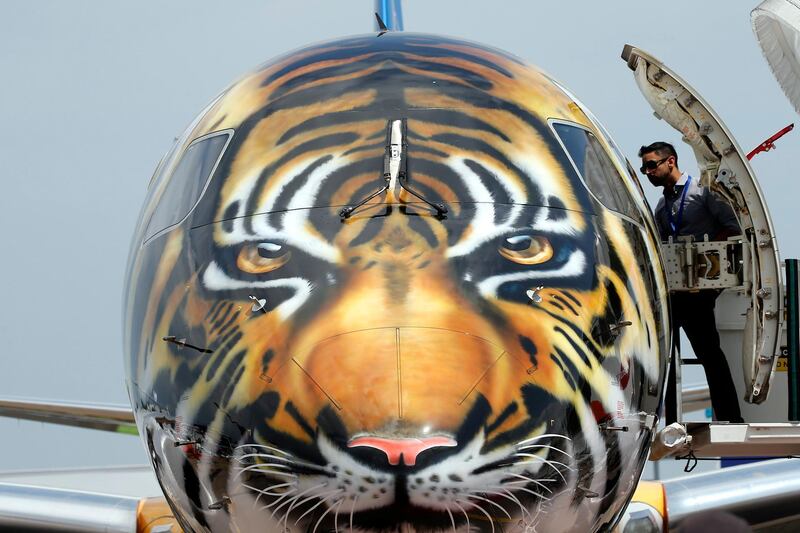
(402, 282)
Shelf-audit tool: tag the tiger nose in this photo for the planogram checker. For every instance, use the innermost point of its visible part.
(405, 449)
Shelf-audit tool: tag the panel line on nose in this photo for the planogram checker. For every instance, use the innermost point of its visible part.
(475, 385)
(315, 382)
(399, 375)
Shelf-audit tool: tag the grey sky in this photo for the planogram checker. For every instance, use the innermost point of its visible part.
(92, 93)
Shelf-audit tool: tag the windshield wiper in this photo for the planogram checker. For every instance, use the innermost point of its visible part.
(183, 344)
(395, 169)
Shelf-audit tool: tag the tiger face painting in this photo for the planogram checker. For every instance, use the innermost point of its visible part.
(395, 283)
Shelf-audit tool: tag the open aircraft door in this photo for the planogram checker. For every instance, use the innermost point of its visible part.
(749, 265)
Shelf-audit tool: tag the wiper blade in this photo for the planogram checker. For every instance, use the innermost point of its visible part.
(183, 344)
(395, 169)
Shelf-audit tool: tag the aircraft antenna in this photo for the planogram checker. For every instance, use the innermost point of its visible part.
(382, 28)
(389, 15)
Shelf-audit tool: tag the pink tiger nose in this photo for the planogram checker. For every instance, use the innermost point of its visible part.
(408, 449)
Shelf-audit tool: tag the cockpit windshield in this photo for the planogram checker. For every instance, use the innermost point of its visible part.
(183, 188)
(599, 173)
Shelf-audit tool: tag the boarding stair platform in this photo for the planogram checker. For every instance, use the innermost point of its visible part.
(772, 424)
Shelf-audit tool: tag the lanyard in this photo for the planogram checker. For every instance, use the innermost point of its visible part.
(675, 225)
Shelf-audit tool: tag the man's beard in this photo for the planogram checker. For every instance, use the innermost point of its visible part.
(657, 181)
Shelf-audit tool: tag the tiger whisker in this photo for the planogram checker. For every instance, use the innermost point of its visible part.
(557, 471)
(522, 507)
(239, 474)
(309, 467)
(244, 464)
(508, 495)
(323, 500)
(287, 460)
(309, 510)
(265, 491)
(290, 462)
(352, 509)
(267, 456)
(531, 492)
(308, 499)
(288, 493)
(325, 513)
(539, 510)
(336, 516)
(543, 446)
(260, 467)
(270, 472)
(292, 499)
(296, 498)
(534, 456)
(265, 447)
(531, 480)
(452, 519)
(278, 500)
(482, 510)
(487, 500)
(272, 514)
(545, 461)
(469, 528)
(540, 479)
(279, 497)
(533, 439)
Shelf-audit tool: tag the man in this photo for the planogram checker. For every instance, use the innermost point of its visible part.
(687, 208)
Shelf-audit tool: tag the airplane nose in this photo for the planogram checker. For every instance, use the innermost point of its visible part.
(394, 382)
(406, 449)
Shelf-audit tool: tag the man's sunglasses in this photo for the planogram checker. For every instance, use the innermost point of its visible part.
(651, 165)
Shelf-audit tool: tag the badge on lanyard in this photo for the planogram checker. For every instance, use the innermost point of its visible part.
(674, 224)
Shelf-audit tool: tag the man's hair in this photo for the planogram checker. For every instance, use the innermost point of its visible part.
(661, 149)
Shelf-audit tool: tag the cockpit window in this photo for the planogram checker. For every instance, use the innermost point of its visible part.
(190, 178)
(599, 173)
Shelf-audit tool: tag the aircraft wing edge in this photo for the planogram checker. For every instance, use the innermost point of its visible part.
(760, 493)
(30, 508)
(695, 398)
(113, 418)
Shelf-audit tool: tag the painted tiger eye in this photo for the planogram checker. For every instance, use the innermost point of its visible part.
(262, 258)
(527, 250)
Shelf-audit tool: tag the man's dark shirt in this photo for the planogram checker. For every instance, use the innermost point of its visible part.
(703, 213)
